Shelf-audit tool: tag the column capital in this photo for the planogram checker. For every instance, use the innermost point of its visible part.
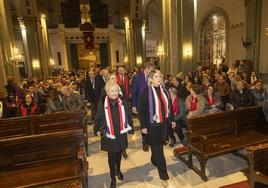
(30, 21)
(136, 23)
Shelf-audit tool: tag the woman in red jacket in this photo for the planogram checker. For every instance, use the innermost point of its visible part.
(28, 107)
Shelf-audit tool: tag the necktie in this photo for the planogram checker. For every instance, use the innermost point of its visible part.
(93, 84)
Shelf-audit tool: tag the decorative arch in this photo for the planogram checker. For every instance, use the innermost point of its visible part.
(213, 37)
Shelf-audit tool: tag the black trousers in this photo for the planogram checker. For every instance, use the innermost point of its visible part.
(93, 109)
(158, 160)
(225, 100)
(114, 161)
(144, 139)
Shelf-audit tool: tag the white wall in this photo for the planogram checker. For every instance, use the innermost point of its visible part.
(57, 43)
(263, 65)
(236, 14)
(117, 42)
(155, 22)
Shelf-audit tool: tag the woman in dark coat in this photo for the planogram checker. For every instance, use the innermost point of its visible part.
(241, 96)
(155, 115)
(112, 122)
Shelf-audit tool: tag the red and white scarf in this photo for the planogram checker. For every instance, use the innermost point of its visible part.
(158, 110)
(124, 126)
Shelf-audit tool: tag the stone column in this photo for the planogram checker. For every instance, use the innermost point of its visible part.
(165, 58)
(128, 44)
(2, 72)
(8, 65)
(253, 31)
(34, 37)
(137, 43)
(31, 46)
(179, 28)
(44, 46)
(187, 31)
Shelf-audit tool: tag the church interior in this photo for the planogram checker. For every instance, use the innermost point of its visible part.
(61, 54)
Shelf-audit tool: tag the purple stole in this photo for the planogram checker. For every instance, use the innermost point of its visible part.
(151, 103)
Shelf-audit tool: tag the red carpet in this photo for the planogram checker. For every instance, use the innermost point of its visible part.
(242, 184)
(180, 150)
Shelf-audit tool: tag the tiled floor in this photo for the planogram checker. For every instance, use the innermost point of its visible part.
(140, 173)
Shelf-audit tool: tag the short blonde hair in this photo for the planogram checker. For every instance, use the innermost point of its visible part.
(122, 69)
(111, 84)
(151, 75)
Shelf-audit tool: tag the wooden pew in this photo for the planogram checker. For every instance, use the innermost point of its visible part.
(43, 149)
(258, 164)
(217, 134)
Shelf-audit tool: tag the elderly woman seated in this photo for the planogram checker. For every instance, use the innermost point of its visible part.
(72, 102)
(241, 96)
(258, 92)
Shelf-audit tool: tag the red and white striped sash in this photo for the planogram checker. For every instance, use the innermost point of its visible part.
(124, 126)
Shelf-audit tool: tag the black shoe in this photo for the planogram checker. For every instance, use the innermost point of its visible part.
(124, 153)
(145, 148)
(113, 183)
(120, 176)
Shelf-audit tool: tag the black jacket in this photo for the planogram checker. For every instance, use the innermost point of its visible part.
(244, 99)
(120, 142)
(90, 94)
(99, 84)
(157, 132)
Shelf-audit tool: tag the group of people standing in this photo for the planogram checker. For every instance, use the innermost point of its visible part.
(113, 120)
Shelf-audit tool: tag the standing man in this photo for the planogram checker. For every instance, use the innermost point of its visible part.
(100, 83)
(90, 94)
(123, 81)
(139, 83)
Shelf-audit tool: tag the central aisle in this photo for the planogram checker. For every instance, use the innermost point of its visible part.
(140, 173)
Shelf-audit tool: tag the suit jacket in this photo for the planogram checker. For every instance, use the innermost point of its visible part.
(90, 94)
(73, 103)
(239, 100)
(138, 85)
(99, 84)
(157, 132)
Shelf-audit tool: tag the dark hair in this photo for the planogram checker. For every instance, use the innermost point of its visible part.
(196, 88)
(148, 65)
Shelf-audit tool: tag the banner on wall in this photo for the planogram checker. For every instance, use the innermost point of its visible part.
(88, 40)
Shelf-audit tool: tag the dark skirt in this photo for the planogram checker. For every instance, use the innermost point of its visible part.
(118, 144)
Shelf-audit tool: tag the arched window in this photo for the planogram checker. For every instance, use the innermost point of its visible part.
(213, 40)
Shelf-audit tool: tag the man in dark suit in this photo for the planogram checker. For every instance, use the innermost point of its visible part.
(100, 83)
(90, 94)
(139, 83)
